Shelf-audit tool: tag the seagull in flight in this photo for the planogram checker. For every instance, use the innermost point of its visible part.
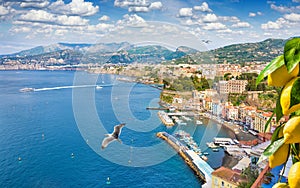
(113, 136)
(206, 41)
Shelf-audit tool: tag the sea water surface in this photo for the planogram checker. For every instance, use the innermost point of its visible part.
(41, 130)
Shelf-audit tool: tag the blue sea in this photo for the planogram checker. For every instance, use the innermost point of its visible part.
(52, 137)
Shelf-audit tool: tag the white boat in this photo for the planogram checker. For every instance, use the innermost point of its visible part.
(186, 118)
(211, 145)
(98, 87)
(26, 89)
(198, 122)
(182, 123)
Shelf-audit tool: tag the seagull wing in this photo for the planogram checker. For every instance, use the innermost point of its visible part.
(117, 130)
(107, 140)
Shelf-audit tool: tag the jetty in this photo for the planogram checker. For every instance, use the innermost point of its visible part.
(156, 108)
(201, 169)
(166, 120)
(224, 141)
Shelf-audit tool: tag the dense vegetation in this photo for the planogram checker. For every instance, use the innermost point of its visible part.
(251, 175)
(186, 84)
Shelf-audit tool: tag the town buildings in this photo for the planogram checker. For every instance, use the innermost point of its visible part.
(225, 177)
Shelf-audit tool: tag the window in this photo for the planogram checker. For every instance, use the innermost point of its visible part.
(216, 181)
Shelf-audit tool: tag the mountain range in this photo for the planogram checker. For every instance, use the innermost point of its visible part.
(71, 53)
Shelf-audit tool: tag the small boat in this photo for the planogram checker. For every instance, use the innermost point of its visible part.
(215, 149)
(198, 122)
(98, 87)
(26, 89)
(205, 153)
(211, 145)
(107, 181)
(204, 157)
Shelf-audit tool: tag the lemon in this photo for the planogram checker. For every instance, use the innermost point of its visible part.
(280, 156)
(281, 76)
(280, 185)
(291, 131)
(289, 98)
(293, 176)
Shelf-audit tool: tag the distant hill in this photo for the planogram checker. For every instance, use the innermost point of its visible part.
(69, 53)
(263, 51)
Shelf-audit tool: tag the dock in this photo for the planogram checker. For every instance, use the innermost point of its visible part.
(224, 141)
(156, 108)
(201, 169)
(166, 120)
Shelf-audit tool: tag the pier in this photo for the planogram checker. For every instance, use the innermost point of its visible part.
(181, 114)
(156, 108)
(201, 169)
(165, 118)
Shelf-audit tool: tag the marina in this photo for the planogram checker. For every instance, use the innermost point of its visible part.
(166, 120)
(201, 169)
(188, 141)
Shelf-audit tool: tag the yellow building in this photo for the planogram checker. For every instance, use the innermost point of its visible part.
(226, 178)
(260, 121)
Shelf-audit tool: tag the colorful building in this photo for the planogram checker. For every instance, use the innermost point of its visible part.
(225, 177)
(261, 119)
(232, 86)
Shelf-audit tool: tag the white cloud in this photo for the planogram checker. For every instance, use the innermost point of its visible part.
(156, 5)
(104, 18)
(241, 25)
(31, 4)
(232, 19)
(60, 32)
(99, 27)
(132, 21)
(225, 31)
(285, 9)
(296, 1)
(138, 9)
(20, 29)
(189, 22)
(42, 16)
(3, 10)
(138, 5)
(214, 26)
(126, 3)
(204, 7)
(210, 18)
(252, 14)
(292, 17)
(75, 7)
(185, 12)
(271, 25)
(268, 34)
(259, 13)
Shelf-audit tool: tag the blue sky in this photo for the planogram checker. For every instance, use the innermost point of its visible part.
(29, 23)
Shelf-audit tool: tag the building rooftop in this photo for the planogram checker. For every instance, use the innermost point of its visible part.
(228, 175)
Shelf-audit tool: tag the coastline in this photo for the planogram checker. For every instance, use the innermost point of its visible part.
(240, 135)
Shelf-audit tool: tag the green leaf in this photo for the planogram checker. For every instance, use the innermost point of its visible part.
(278, 110)
(271, 67)
(271, 149)
(295, 95)
(269, 121)
(292, 53)
(297, 113)
(275, 134)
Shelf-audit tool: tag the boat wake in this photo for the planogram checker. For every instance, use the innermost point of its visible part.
(64, 87)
